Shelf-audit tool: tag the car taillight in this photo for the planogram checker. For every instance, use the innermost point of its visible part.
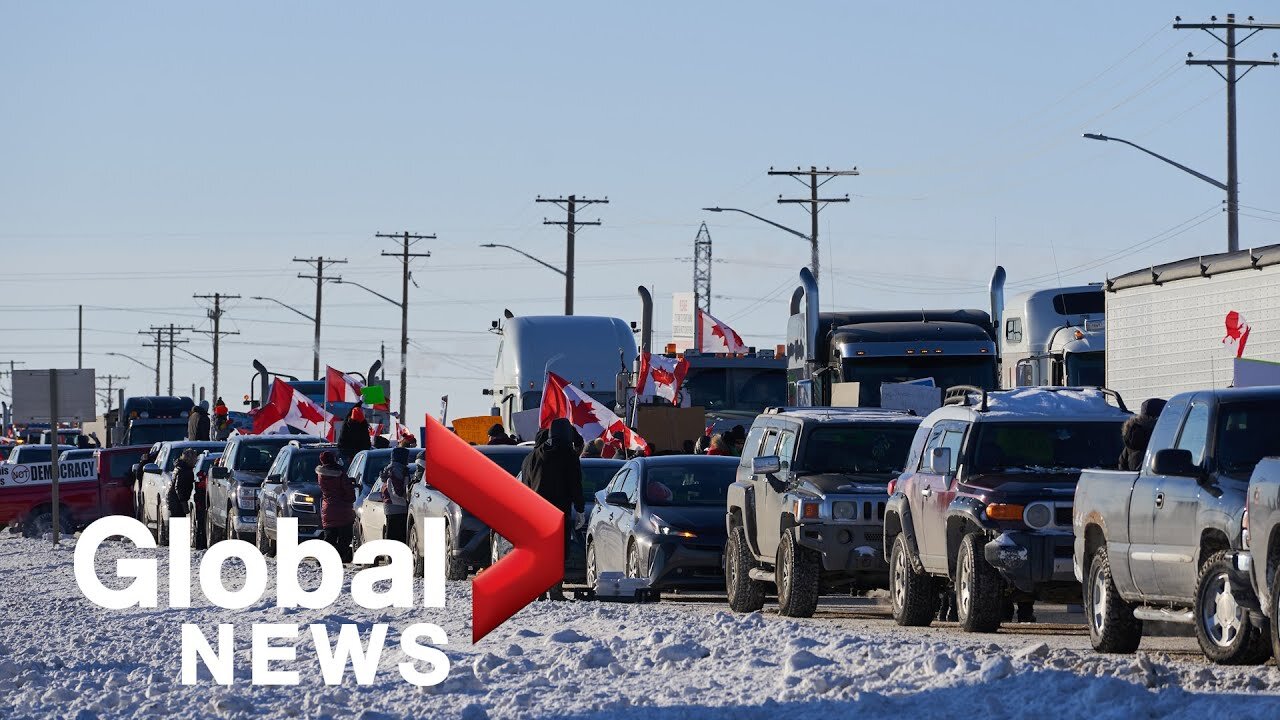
(892, 485)
(1244, 529)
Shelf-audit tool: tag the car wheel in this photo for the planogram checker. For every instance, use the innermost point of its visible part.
(1112, 626)
(194, 536)
(797, 574)
(41, 521)
(261, 540)
(209, 538)
(1275, 619)
(978, 586)
(162, 528)
(415, 548)
(455, 568)
(1223, 626)
(593, 570)
(633, 561)
(912, 594)
(745, 594)
(357, 539)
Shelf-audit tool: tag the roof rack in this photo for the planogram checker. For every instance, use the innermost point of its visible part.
(1079, 388)
(959, 395)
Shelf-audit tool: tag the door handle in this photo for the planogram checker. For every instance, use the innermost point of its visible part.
(927, 491)
(1159, 500)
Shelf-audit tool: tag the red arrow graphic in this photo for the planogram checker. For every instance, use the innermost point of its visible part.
(533, 525)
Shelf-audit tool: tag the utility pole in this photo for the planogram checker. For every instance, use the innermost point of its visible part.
(169, 342)
(110, 387)
(407, 241)
(158, 344)
(702, 269)
(1230, 63)
(215, 314)
(571, 224)
(814, 178)
(80, 337)
(320, 264)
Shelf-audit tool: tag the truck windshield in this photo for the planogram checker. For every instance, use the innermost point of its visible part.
(1246, 434)
(869, 449)
(742, 389)
(533, 399)
(152, 433)
(1087, 369)
(1045, 447)
(979, 371)
(258, 455)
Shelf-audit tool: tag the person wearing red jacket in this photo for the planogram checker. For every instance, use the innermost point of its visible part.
(337, 498)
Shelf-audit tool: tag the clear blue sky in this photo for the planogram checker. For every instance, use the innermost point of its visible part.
(155, 150)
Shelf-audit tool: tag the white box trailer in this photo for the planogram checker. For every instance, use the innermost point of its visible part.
(1167, 326)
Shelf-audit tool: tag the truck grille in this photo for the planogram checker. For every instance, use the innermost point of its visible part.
(1062, 515)
(865, 511)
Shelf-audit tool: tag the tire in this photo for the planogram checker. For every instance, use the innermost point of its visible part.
(194, 536)
(797, 573)
(40, 522)
(455, 568)
(229, 532)
(978, 588)
(262, 541)
(633, 561)
(593, 570)
(1223, 629)
(209, 538)
(1275, 618)
(357, 539)
(1112, 626)
(912, 595)
(414, 540)
(162, 529)
(745, 594)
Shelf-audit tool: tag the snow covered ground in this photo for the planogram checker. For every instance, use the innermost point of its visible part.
(61, 656)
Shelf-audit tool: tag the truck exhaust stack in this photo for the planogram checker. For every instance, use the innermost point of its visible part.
(808, 286)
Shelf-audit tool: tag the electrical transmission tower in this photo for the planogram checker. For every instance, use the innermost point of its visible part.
(814, 178)
(1230, 42)
(702, 269)
(571, 224)
(215, 314)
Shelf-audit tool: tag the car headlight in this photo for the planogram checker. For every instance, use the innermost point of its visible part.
(247, 498)
(807, 510)
(662, 528)
(303, 501)
(844, 510)
(1038, 515)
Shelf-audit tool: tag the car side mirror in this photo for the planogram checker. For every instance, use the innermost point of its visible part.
(273, 479)
(617, 498)
(220, 472)
(940, 460)
(151, 468)
(1174, 462)
(766, 465)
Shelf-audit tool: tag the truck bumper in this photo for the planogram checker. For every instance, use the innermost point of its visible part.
(1241, 577)
(1027, 559)
(856, 551)
(244, 523)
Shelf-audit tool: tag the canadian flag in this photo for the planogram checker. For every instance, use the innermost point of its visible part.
(341, 387)
(661, 376)
(1237, 332)
(560, 399)
(717, 337)
(289, 408)
(399, 430)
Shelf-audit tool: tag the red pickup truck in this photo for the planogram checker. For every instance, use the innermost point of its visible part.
(87, 489)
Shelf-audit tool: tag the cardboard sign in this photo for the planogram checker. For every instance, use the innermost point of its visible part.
(923, 399)
(667, 428)
(29, 474)
(474, 429)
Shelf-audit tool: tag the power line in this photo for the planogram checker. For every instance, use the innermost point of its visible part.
(815, 179)
(571, 223)
(407, 241)
(320, 264)
(165, 342)
(215, 314)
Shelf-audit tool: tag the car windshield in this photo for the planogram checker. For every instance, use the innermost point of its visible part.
(1246, 434)
(258, 455)
(150, 434)
(696, 485)
(949, 372)
(596, 477)
(176, 452)
(374, 465)
(302, 466)
(1046, 447)
(1086, 369)
(869, 449)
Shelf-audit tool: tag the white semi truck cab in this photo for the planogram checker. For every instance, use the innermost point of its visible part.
(1055, 336)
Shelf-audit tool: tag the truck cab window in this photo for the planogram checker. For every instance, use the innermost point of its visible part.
(786, 447)
(751, 447)
(1195, 432)
(1013, 330)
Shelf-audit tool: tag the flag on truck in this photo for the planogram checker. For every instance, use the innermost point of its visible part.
(560, 399)
(715, 336)
(340, 387)
(661, 376)
(289, 408)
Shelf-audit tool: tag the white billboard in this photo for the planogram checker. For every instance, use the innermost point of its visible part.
(31, 396)
(684, 314)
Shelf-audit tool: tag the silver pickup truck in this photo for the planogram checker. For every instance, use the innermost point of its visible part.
(1160, 544)
(1256, 566)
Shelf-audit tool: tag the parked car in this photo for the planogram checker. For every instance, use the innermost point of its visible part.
(234, 483)
(116, 467)
(984, 504)
(197, 504)
(596, 474)
(290, 489)
(466, 538)
(371, 512)
(662, 519)
(88, 488)
(805, 512)
(67, 437)
(1158, 544)
(1257, 564)
(156, 479)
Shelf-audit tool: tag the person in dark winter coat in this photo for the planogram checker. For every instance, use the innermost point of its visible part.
(355, 434)
(221, 427)
(184, 482)
(554, 471)
(198, 422)
(499, 436)
(395, 491)
(337, 496)
(1136, 433)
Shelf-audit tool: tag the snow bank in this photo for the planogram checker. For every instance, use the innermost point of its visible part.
(61, 656)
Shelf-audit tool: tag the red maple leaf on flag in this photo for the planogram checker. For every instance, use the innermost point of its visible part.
(582, 413)
(310, 412)
(735, 341)
(662, 376)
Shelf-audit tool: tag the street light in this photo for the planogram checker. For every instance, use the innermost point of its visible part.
(568, 296)
(1233, 226)
(155, 369)
(813, 242)
(206, 361)
(290, 308)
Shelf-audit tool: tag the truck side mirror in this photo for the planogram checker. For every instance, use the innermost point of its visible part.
(220, 472)
(151, 468)
(766, 465)
(273, 479)
(940, 460)
(1174, 462)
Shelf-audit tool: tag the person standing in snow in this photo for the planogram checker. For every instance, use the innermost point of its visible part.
(355, 435)
(554, 471)
(198, 422)
(395, 491)
(337, 496)
(1136, 433)
(221, 427)
(184, 482)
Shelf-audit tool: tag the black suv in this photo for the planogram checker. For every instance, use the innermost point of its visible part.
(806, 512)
(291, 490)
(233, 484)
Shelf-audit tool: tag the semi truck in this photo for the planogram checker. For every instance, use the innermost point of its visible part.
(314, 390)
(1204, 322)
(149, 419)
(1054, 337)
(589, 351)
(828, 351)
